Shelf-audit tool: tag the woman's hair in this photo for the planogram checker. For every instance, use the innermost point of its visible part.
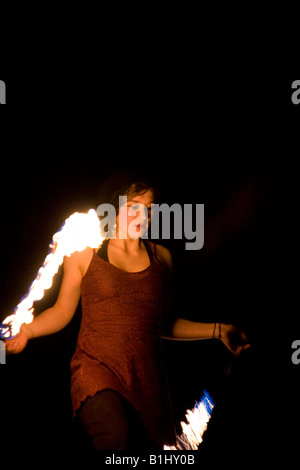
(124, 183)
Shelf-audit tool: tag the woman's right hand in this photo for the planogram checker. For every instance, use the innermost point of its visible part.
(19, 342)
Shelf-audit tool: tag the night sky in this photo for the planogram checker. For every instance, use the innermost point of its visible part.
(235, 149)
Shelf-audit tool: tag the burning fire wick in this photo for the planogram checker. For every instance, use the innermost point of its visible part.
(78, 232)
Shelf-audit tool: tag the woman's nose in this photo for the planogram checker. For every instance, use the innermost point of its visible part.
(142, 213)
(146, 214)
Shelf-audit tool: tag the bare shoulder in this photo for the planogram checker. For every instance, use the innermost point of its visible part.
(79, 260)
(163, 254)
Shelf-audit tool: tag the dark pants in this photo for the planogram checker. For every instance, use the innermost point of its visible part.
(111, 424)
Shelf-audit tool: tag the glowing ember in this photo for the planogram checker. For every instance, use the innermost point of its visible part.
(78, 232)
(197, 419)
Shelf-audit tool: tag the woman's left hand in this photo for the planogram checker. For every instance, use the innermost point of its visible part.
(234, 338)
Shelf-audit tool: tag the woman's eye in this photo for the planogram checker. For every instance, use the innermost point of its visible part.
(135, 207)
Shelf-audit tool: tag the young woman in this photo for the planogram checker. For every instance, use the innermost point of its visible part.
(119, 387)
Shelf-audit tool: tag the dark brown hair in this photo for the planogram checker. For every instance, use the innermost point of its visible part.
(124, 183)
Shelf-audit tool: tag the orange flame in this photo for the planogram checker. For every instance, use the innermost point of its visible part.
(78, 232)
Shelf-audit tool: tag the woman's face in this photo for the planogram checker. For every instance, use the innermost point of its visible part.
(134, 217)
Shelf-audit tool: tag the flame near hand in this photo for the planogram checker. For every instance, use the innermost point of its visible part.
(78, 232)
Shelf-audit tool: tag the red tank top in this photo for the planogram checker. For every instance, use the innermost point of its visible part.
(119, 344)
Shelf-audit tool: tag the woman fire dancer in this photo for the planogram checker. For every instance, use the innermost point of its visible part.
(119, 387)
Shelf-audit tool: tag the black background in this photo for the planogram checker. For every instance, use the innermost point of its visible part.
(227, 141)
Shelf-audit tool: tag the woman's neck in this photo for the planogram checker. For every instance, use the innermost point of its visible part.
(127, 245)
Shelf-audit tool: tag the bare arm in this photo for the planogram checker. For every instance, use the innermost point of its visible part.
(183, 329)
(186, 330)
(231, 336)
(57, 317)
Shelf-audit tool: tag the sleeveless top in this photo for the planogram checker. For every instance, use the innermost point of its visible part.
(119, 345)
